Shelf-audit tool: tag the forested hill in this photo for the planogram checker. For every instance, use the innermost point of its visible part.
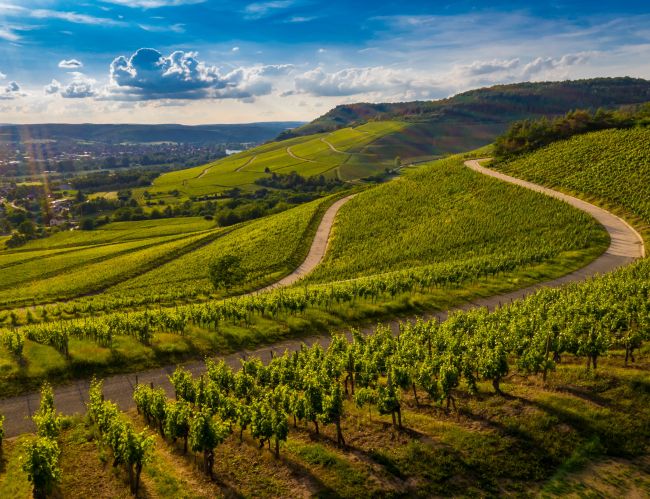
(222, 134)
(478, 116)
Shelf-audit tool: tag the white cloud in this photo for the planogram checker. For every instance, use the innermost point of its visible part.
(79, 87)
(235, 49)
(70, 64)
(354, 81)
(258, 10)
(148, 75)
(488, 67)
(550, 65)
(11, 91)
(174, 28)
(72, 17)
(6, 33)
(54, 87)
(153, 4)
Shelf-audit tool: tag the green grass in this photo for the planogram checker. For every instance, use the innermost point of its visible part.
(269, 248)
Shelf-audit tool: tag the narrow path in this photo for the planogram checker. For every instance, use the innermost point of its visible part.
(290, 153)
(246, 164)
(331, 146)
(318, 247)
(626, 246)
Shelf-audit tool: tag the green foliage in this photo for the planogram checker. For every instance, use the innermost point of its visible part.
(48, 423)
(205, 434)
(528, 135)
(612, 165)
(129, 448)
(226, 272)
(41, 463)
(443, 216)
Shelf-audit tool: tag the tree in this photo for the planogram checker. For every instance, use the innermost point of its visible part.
(226, 272)
(42, 465)
(87, 224)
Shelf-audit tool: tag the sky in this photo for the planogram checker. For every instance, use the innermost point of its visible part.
(225, 61)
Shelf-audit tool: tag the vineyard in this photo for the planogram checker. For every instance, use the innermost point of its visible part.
(382, 412)
(130, 258)
(345, 154)
(445, 213)
(612, 166)
(430, 272)
(518, 399)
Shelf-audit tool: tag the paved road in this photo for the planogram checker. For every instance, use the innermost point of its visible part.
(626, 245)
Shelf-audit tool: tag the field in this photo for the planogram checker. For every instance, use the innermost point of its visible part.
(518, 423)
(445, 213)
(101, 334)
(346, 154)
(547, 395)
(611, 166)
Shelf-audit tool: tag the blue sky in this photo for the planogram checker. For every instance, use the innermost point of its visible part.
(206, 61)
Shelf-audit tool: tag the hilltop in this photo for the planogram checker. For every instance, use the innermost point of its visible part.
(474, 118)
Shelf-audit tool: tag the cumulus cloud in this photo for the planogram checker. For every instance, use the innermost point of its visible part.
(353, 81)
(149, 75)
(70, 64)
(79, 87)
(54, 87)
(11, 91)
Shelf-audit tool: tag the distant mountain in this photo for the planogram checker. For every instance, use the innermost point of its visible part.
(474, 118)
(114, 134)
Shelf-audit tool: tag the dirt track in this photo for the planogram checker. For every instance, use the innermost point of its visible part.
(626, 245)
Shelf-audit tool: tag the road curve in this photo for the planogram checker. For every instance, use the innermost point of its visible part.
(624, 240)
(626, 245)
(318, 247)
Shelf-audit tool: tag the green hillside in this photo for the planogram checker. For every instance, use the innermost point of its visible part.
(346, 154)
(444, 213)
(612, 166)
(494, 107)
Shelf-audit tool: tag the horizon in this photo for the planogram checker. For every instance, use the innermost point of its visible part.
(177, 123)
(197, 62)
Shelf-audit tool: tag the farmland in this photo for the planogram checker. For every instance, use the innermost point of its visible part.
(445, 213)
(611, 166)
(540, 395)
(346, 154)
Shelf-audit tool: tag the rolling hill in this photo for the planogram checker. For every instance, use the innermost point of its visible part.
(115, 134)
(474, 118)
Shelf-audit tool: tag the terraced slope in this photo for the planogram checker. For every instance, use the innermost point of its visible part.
(612, 166)
(445, 214)
(346, 154)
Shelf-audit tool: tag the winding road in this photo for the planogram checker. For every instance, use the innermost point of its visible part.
(626, 245)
